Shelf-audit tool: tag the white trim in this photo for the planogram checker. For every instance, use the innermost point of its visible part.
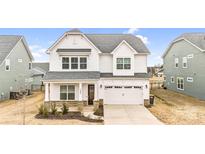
(126, 44)
(78, 69)
(65, 35)
(184, 61)
(170, 45)
(172, 77)
(177, 83)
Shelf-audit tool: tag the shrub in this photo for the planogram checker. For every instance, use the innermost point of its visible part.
(80, 108)
(45, 111)
(53, 109)
(41, 109)
(99, 111)
(64, 109)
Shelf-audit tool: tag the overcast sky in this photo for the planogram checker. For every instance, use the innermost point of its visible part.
(157, 40)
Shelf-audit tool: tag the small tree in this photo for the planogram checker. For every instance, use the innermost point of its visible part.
(64, 109)
(53, 109)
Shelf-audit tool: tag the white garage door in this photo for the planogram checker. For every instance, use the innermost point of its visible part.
(123, 95)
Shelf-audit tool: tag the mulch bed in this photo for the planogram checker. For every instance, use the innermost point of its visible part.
(69, 115)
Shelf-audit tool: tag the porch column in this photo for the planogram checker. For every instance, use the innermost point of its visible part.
(46, 92)
(80, 92)
(96, 92)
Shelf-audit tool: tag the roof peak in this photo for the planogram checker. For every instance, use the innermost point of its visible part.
(74, 30)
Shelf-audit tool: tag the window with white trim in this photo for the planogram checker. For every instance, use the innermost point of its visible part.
(29, 66)
(172, 79)
(180, 83)
(67, 92)
(74, 62)
(184, 62)
(7, 64)
(83, 63)
(190, 79)
(123, 63)
(176, 62)
(65, 63)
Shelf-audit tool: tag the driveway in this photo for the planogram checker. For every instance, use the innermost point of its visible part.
(128, 115)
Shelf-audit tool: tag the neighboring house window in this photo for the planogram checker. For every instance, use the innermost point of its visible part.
(83, 63)
(184, 62)
(190, 56)
(20, 60)
(67, 92)
(74, 62)
(180, 83)
(172, 79)
(190, 79)
(176, 62)
(29, 66)
(65, 63)
(123, 63)
(7, 65)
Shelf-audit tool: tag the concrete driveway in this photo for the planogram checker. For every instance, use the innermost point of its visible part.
(128, 115)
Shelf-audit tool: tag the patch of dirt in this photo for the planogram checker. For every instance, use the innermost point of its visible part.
(175, 108)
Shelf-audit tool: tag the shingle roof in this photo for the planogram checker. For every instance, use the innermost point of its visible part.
(42, 65)
(74, 30)
(196, 38)
(71, 75)
(108, 42)
(7, 42)
(136, 75)
(73, 50)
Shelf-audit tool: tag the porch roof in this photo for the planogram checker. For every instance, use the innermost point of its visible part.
(71, 75)
(136, 75)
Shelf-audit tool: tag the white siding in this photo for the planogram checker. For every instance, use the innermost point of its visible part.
(123, 51)
(74, 42)
(106, 64)
(140, 64)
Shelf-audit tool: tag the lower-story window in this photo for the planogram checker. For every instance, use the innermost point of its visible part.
(180, 83)
(67, 92)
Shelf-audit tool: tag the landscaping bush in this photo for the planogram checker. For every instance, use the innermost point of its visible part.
(41, 109)
(45, 111)
(80, 108)
(53, 109)
(99, 111)
(64, 109)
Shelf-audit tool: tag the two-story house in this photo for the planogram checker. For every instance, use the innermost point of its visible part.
(89, 67)
(15, 65)
(184, 65)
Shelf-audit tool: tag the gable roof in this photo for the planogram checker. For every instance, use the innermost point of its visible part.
(195, 39)
(7, 43)
(106, 43)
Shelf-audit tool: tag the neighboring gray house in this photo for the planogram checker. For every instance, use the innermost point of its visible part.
(15, 65)
(184, 65)
(39, 69)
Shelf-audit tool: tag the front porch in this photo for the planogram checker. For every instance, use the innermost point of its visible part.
(72, 93)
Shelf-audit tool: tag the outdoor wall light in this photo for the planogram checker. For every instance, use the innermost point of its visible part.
(100, 86)
(146, 86)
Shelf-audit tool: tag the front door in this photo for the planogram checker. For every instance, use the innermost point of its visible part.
(91, 93)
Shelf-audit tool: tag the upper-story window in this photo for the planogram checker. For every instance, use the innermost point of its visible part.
(83, 63)
(74, 62)
(29, 66)
(65, 63)
(7, 65)
(184, 62)
(123, 63)
(176, 62)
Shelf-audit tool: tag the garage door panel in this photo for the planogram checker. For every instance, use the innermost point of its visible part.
(123, 96)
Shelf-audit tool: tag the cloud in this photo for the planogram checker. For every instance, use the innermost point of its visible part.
(132, 31)
(37, 51)
(143, 38)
